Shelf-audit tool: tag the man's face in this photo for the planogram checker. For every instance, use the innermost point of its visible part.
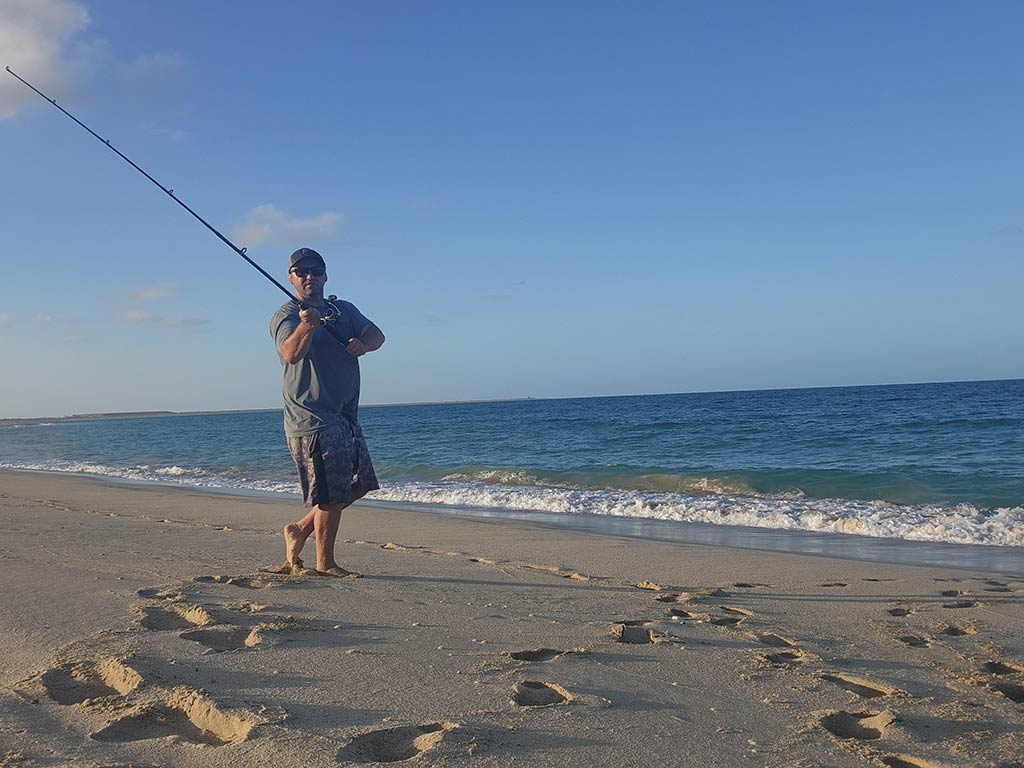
(308, 278)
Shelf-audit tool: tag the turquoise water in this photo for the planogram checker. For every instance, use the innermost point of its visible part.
(935, 462)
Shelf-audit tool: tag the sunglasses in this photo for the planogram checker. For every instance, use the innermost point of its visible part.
(303, 271)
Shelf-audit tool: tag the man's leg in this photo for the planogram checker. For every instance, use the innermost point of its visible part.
(326, 521)
(295, 535)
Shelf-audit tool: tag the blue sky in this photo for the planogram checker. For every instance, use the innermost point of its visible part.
(530, 199)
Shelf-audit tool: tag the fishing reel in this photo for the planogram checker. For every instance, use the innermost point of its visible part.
(331, 311)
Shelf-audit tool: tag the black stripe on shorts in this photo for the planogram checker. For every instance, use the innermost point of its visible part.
(323, 488)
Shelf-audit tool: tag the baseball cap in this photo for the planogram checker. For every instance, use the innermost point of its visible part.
(305, 254)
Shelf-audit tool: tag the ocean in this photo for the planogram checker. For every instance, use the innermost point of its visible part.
(932, 462)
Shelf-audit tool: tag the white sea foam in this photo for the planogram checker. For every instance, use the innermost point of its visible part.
(175, 475)
(178, 471)
(963, 524)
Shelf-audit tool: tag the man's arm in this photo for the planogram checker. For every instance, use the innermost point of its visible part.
(295, 347)
(369, 339)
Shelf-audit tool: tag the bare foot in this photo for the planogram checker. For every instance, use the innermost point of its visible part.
(339, 573)
(293, 541)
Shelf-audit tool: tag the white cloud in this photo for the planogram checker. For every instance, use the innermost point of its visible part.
(5, 320)
(150, 292)
(42, 319)
(35, 36)
(268, 224)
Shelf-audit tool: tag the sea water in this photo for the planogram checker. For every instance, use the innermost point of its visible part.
(930, 462)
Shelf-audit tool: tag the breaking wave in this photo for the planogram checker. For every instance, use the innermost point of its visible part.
(655, 496)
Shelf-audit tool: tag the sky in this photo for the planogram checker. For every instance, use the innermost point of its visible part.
(530, 199)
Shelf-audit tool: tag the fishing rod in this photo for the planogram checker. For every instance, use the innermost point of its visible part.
(332, 314)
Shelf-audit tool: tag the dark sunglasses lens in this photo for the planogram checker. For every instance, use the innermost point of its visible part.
(302, 272)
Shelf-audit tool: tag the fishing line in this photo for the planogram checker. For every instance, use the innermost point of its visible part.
(331, 314)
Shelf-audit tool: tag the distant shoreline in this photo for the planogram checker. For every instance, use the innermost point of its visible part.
(25, 422)
(21, 422)
(118, 415)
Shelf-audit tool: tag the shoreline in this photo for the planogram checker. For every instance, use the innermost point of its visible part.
(136, 624)
(843, 546)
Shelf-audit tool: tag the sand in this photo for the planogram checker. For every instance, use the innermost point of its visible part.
(136, 628)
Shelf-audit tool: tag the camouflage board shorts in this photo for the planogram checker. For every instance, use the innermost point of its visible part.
(334, 465)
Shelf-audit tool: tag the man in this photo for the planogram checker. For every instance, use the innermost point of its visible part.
(321, 402)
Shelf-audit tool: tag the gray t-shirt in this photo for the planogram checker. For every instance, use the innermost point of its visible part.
(323, 387)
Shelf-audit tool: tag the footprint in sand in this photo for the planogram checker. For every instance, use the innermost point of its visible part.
(272, 633)
(962, 604)
(865, 726)
(392, 745)
(727, 621)
(775, 641)
(998, 588)
(1013, 691)
(953, 593)
(901, 611)
(225, 637)
(185, 714)
(858, 685)
(836, 584)
(956, 630)
(674, 597)
(1001, 668)
(179, 616)
(539, 654)
(78, 682)
(220, 638)
(246, 582)
(532, 693)
(784, 658)
(159, 593)
(915, 641)
(749, 584)
(636, 633)
(483, 561)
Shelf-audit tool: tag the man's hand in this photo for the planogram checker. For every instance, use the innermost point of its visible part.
(310, 317)
(369, 339)
(356, 347)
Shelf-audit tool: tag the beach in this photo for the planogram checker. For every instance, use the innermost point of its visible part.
(138, 629)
